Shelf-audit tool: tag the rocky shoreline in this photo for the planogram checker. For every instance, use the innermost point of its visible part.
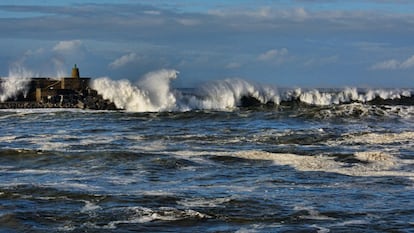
(88, 99)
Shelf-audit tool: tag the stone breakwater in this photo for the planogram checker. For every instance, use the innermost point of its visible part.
(66, 92)
(83, 100)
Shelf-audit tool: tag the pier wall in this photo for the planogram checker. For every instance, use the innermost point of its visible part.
(66, 92)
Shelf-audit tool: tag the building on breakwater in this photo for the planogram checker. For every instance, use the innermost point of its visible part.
(46, 92)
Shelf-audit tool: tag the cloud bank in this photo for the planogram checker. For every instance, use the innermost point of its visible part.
(291, 42)
(394, 64)
(123, 60)
(67, 46)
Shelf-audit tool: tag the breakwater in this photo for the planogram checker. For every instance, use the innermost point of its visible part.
(66, 92)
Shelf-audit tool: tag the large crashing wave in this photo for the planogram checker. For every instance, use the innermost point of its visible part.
(229, 93)
(154, 93)
(15, 84)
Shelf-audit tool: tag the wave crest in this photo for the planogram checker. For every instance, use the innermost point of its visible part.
(153, 93)
(16, 83)
(229, 93)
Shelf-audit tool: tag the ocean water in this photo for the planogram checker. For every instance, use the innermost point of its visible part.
(200, 161)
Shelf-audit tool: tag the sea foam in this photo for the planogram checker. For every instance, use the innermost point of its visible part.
(154, 93)
(16, 83)
(151, 94)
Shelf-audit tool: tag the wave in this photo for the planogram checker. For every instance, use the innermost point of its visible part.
(154, 93)
(16, 83)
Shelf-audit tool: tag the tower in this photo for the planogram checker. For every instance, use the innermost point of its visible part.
(75, 72)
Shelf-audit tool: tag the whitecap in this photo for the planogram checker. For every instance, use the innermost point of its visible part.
(312, 214)
(379, 163)
(204, 202)
(89, 207)
(380, 138)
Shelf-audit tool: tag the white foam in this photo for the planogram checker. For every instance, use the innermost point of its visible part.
(246, 230)
(321, 229)
(7, 138)
(406, 112)
(152, 94)
(375, 156)
(118, 180)
(203, 202)
(67, 227)
(43, 171)
(315, 97)
(157, 193)
(24, 111)
(379, 163)
(259, 228)
(347, 95)
(153, 146)
(16, 83)
(89, 207)
(144, 215)
(100, 140)
(351, 222)
(227, 94)
(72, 185)
(45, 142)
(383, 138)
(312, 213)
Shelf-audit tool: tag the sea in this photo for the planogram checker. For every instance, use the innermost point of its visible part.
(228, 156)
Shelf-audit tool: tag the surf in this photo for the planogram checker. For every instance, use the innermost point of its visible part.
(155, 93)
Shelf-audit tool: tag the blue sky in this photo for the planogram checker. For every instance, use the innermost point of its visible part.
(305, 43)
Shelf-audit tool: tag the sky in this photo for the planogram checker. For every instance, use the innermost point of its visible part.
(285, 43)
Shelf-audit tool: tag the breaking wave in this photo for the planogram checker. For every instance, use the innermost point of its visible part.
(15, 84)
(151, 94)
(154, 93)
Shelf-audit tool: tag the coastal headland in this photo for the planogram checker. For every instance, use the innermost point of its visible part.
(46, 92)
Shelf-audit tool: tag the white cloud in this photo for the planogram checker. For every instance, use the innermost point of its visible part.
(188, 22)
(386, 65)
(394, 64)
(300, 14)
(233, 65)
(273, 54)
(408, 63)
(67, 46)
(123, 60)
(152, 12)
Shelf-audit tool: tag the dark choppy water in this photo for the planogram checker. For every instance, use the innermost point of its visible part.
(342, 168)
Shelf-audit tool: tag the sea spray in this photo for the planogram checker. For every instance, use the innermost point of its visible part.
(227, 94)
(346, 95)
(152, 94)
(16, 83)
(157, 88)
(315, 97)
(384, 94)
